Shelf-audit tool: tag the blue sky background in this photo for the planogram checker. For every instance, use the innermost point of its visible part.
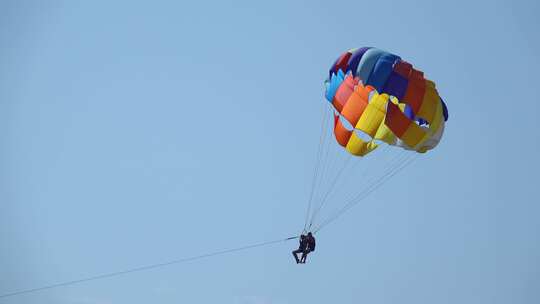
(135, 133)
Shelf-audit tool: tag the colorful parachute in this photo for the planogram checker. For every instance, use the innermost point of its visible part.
(378, 97)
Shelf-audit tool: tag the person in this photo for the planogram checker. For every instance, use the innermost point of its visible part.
(310, 242)
(301, 248)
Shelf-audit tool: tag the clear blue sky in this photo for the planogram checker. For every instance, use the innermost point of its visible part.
(136, 133)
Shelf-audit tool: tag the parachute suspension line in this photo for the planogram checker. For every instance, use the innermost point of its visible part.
(387, 163)
(395, 171)
(369, 164)
(345, 181)
(334, 158)
(326, 164)
(143, 268)
(322, 138)
(362, 196)
(386, 169)
(388, 155)
(323, 166)
(355, 188)
(332, 186)
(370, 169)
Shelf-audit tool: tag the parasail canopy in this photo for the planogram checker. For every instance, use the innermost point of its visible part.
(378, 97)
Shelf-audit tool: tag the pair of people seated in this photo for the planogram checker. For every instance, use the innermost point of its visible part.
(307, 245)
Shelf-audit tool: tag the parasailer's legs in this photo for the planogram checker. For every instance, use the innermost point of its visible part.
(295, 254)
(304, 256)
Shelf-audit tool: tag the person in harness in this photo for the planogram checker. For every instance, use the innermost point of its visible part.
(310, 247)
(302, 247)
